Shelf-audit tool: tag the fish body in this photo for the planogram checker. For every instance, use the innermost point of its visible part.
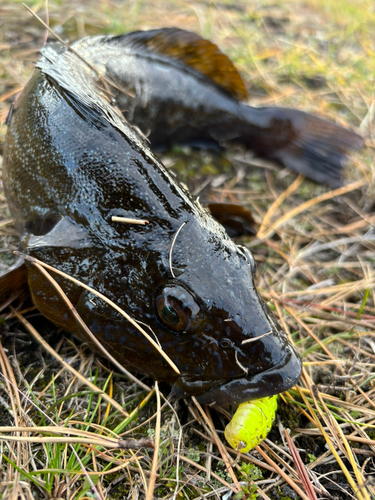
(71, 163)
(178, 87)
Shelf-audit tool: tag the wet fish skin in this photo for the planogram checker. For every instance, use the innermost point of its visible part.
(172, 101)
(70, 164)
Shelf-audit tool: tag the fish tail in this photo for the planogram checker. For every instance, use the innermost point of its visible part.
(302, 142)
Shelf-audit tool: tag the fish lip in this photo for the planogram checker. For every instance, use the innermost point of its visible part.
(277, 379)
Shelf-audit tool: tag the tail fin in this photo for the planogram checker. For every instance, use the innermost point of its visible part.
(305, 143)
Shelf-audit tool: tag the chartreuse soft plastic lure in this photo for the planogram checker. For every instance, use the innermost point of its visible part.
(251, 423)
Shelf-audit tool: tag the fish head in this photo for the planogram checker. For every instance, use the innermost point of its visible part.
(228, 346)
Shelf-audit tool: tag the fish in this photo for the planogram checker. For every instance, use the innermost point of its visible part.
(73, 161)
(177, 87)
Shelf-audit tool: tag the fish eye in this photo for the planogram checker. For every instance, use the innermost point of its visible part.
(225, 343)
(176, 308)
(170, 315)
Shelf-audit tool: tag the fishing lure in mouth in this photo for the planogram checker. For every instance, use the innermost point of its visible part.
(251, 423)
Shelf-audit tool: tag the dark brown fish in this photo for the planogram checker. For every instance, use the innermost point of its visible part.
(72, 162)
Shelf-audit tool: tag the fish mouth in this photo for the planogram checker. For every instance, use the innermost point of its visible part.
(273, 381)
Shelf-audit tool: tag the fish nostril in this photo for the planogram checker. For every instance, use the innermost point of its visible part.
(225, 343)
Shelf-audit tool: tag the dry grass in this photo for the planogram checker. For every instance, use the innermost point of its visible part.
(315, 254)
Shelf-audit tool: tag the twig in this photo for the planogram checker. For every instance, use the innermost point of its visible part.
(151, 483)
(281, 473)
(207, 418)
(126, 220)
(301, 469)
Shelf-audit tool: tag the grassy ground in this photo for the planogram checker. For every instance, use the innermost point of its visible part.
(315, 267)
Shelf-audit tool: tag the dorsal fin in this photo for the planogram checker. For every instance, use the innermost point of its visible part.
(192, 50)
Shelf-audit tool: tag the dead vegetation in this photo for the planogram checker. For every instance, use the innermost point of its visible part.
(75, 428)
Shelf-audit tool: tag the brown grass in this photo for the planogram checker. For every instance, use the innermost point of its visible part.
(315, 254)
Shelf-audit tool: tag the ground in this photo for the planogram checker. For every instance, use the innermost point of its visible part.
(315, 257)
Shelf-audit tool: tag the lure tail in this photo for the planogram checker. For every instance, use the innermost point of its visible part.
(302, 142)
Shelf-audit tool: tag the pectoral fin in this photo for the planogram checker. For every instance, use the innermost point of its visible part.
(65, 234)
